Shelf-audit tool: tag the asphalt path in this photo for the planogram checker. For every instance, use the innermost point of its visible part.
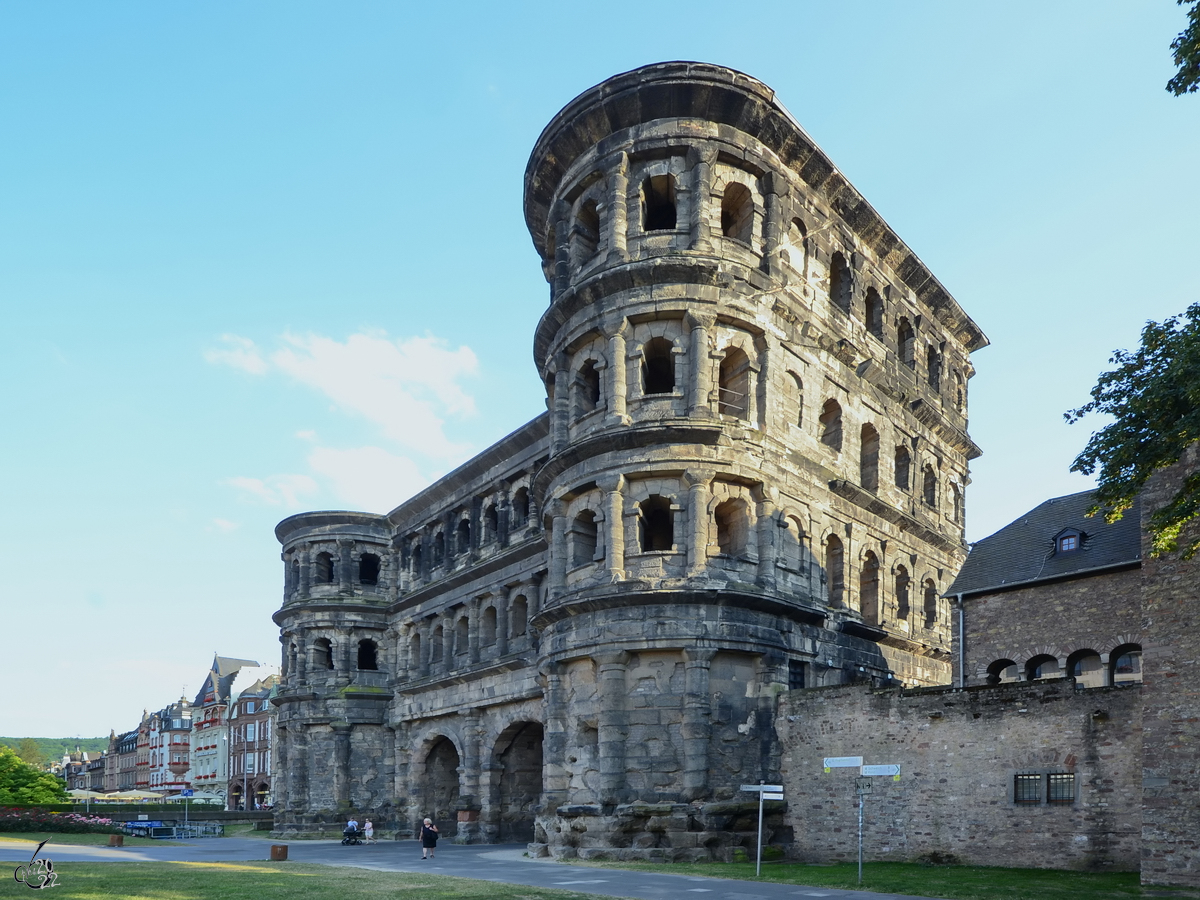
(485, 862)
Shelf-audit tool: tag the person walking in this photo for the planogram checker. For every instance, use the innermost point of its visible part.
(369, 832)
(429, 836)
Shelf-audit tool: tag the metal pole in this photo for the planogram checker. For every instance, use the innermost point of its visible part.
(758, 855)
(861, 797)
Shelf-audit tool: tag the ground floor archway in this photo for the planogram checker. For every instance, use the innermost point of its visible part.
(517, 758)
(439, 788)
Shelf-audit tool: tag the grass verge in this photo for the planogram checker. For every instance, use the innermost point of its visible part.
(949, 882)
(36, 837)
(276, 881)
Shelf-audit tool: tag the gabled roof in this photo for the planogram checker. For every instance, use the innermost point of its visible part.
(220, 677)
(1023, 551)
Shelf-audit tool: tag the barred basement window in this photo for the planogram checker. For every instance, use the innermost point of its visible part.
(796, 674)
(1027, 789)
(1062, 787)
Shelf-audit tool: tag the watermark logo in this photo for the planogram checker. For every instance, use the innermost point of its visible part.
(37, 873)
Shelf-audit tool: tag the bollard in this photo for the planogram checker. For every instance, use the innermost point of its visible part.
(116, 840)
(279, 852)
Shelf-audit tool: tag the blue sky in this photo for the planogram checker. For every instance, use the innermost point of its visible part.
(259, 258)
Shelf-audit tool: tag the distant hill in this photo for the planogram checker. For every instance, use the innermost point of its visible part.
(53, 749)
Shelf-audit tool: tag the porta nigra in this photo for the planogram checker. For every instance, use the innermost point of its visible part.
(749, 479)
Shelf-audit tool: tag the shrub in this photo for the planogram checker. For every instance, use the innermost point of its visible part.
(32, 820)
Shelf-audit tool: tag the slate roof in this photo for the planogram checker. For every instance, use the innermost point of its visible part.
(220, 677)
(1024, 551)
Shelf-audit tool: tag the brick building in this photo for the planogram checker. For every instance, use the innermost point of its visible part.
(251, 721)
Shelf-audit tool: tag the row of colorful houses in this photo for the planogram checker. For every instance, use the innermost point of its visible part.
(218, 745)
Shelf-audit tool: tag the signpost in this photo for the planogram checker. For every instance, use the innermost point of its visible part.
(185, 793)
(765, 792)
(862, 787)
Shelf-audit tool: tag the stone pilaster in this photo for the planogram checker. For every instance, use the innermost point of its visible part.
(701, 160)
(613, 722)
(698, 526)
(617, 198)
(614, 526)
(618, 385)
(697, 725)
(700, 370)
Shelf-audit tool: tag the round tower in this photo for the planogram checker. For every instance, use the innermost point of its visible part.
(757, 449)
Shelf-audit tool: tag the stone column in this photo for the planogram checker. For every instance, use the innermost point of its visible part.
(288, 587)
(305, 573)
(701, 160)
(342, 733)
(560, 215)
(617, 221)
(613, 722)
(700, 371)
(555, 742)
(301, 659)
(501, 604)
(503, 512)
(766, 531)
(698, 498)
(468, 796)
(558, 548)
(560, 414)
(618, 386)
(448, 641)
(473, 630)
(697, 725)
(345, 564)
(773, 229)
(614, 525)
(426, 631)
(297, 771)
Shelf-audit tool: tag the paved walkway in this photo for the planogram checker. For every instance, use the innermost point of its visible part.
(486, 862)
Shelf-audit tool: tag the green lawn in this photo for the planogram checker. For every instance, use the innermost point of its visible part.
(951, 882)
(33, 838)
(274, 881)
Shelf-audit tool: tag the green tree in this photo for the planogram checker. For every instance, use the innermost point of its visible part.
(28, 751)
(23, 783)
(1187, 53)
(1153, 395)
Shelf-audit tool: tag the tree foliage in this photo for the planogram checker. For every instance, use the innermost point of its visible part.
(29, 751)
(25, 784)
(1153, 395)
(1187, 53)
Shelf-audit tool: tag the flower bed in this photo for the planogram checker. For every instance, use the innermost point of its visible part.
(28, 820)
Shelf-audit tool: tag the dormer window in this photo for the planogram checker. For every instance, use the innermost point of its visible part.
(1068, 542)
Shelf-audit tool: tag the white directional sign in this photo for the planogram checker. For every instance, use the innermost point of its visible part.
(843, 762)
(767, 796)
(880, 770)
(763, 788)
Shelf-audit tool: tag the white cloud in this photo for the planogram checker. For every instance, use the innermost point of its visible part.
(277, 490)
(368, 478)
(225, 525)
(240, 352)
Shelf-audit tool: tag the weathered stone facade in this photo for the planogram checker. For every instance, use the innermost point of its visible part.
(750, 477)
(962, 753)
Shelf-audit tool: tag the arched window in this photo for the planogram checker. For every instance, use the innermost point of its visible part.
(956, 509)
(439, 549)
(798, 244)
(437, 643)
(491, 523)
(792, 553)
(868, 589)
(831, 424)
(835, 570)
(1041, 667)
(520, 509)
(929, 486)
(906, 343)
(294, 576)
(733, 390)
(799, 399)
(933, 369)
(1002, 671)
(462, 539)
(658, 203)
(868, 458)
(324, 568)
(520, 616)
(585, 233)
(737, 213)
(488, 633)
(874, 310)
(322, 653)
(658, 366)
(587, 388)
(733, 527)
(903, 586)
(656, 524)
(1086, 667)
(903, 468)
(418, 554)
(931, 603)
(368, 569)
(1126, 662)
(368, 655)
(840, 285)
(583, 538)
(462, 636)
(414, 651)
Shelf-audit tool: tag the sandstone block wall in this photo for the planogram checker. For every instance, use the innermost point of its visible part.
(960, 752)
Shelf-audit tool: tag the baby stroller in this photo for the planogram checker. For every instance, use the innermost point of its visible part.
(351, 836)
